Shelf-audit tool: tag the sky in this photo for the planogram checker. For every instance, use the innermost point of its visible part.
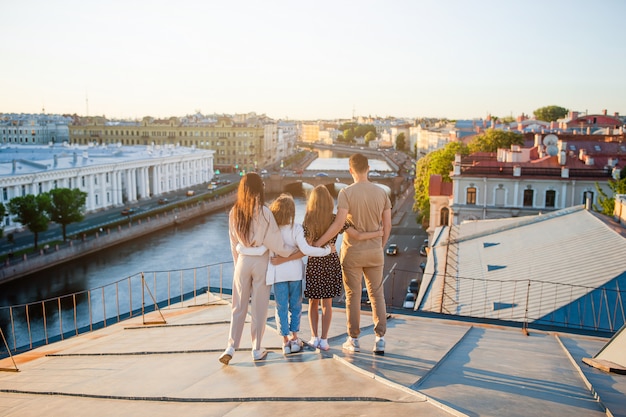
(295, 60)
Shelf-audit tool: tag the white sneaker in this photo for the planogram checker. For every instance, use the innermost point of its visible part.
(227, 355)
(314, 342)
(379, 346)
(287, 349)
(324, 344)
(296, 345)
(259, 355)
(351, 345)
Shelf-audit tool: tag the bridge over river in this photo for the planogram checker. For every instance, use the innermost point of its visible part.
(297, 184)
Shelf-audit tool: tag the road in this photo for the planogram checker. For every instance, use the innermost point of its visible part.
(409, 236)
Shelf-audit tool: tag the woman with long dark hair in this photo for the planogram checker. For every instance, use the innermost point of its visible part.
(253, 233)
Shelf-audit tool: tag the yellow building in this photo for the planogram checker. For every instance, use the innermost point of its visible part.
(310, 132)
(237, 145)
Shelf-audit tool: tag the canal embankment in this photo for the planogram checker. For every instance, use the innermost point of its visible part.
(105, 237)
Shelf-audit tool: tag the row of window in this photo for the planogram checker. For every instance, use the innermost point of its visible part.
(528, 200)
(159, 133)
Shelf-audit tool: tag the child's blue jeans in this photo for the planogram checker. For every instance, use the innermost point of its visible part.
(288, 297)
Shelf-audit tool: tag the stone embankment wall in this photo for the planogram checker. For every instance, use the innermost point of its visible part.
(111, 237)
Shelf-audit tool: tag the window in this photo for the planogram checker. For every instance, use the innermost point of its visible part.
(471, 196)
(444, 216)
(550, 198)
(528, 198)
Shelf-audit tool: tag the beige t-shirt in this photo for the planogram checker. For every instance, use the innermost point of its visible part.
(365, 203)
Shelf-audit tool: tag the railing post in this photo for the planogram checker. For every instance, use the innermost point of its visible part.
(525, 323)
(10, 355)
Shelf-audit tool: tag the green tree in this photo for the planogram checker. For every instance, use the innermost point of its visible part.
(348, 135)
(32, 212)
(66, 206)
(607, 204)
(436, 162)
(400, 141)
(492, 140)
(370, 136)
(550, 113)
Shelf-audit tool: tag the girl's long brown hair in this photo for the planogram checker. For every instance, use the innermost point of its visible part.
(250, 198)
(319, 213)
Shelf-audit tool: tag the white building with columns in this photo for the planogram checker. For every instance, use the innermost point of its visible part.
(111, 175)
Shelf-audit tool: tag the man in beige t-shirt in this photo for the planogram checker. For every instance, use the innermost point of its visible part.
(368, 208)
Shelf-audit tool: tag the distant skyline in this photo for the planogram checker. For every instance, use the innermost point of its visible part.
(322, 60)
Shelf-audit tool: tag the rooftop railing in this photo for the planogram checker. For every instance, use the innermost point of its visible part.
(27, 326)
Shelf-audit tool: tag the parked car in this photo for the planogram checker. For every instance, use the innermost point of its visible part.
(392, 249)
(414, 286)
(374, 174)
(409, 300)
(190, 193)
(423, 266)
(163, 201)
(321, 174)
(365, 298)
(128, 211)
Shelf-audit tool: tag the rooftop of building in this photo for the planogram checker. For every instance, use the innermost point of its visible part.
(28, 159)
(572, 273)
(432, 366)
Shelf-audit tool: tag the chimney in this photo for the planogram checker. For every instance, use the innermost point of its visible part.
(604, 112)
(616, 114)
(457, 164)
(537, 139)
(581, 154)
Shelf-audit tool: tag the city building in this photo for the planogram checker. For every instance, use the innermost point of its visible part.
(111, 175)
(556, 172)
(310, 132)
(592, 123)
(242, 142)
(34, 129)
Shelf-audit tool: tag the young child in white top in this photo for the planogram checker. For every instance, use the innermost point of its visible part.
(287, 277)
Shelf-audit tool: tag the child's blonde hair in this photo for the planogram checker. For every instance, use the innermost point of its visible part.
(283, 209)
(319, 213)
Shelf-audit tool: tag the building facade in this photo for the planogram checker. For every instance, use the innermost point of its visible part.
(552, 175)
(34, 129)
(242, 142)
(111, 175)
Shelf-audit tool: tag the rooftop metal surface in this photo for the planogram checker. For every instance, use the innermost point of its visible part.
(566, 254)
(431, 367)
(30, 159)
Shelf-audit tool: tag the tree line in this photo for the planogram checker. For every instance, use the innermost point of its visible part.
(35, 212)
